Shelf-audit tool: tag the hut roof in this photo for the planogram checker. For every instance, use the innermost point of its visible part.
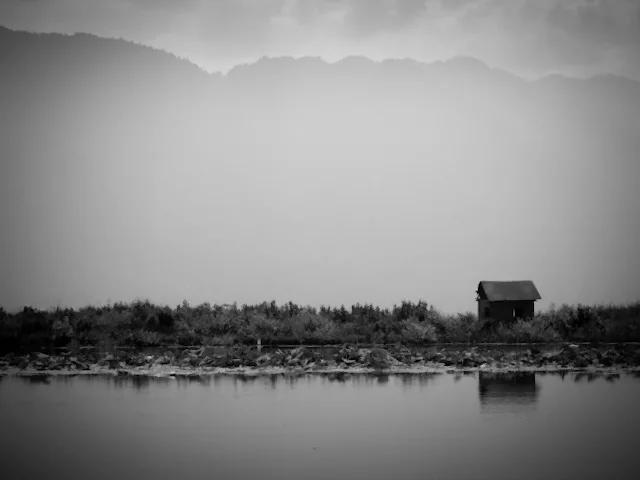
(508, 291)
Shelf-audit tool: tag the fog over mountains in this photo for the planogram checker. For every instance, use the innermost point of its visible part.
(128, 172)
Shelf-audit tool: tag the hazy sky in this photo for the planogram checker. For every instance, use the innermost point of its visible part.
(146, 190)
(526, 36)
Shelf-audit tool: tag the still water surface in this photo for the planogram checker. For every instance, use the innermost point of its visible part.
(377, 427)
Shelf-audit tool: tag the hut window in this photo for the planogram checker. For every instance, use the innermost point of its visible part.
(518, 312)
(487, 311)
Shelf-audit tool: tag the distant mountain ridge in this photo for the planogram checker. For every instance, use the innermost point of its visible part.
(125, 168)
(461, 64)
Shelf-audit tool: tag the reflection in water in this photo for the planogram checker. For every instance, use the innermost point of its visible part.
(186, 380)
(339, 376)
(460, 375)
(495, 389)
(409, 380)
(43, 379)
(327, 426)
(592, 376)
(612, 377)
(138, 382)
(507, 392)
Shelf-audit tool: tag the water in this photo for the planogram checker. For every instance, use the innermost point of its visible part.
(431, 426)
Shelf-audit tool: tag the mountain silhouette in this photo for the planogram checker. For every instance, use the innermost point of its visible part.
(121, 158)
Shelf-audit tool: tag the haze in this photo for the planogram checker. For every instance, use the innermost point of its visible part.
(130, 173)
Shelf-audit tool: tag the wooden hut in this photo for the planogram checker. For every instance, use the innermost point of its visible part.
(506, 301)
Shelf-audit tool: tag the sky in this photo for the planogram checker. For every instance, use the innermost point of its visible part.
(328, 205)
(529, 37)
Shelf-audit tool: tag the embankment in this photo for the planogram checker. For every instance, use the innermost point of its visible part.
(348, 358)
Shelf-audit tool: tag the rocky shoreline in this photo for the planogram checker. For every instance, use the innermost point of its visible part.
(345, 359)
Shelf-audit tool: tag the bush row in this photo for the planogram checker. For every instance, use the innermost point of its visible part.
(142, 324)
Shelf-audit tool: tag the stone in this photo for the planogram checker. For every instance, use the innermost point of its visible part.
(263, 360)
(42, 357)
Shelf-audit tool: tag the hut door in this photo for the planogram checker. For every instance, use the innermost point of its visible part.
(518, 313)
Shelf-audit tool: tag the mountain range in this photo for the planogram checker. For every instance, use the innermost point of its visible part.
(126, 168)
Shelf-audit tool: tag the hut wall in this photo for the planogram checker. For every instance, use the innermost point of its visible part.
(504, 311)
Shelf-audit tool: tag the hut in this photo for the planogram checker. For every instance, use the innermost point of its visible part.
(506, 301)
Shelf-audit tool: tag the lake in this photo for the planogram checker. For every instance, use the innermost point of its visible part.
(442, 426)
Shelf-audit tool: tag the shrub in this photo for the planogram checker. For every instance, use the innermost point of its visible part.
(144, 324)
(416, 332)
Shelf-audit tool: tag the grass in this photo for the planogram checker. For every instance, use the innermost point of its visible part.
(143, 324)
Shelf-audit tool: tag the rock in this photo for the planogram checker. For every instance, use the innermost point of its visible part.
(298, 352)
(378, 358)
(56, 366)
(15, 361)
(209, 361)
(580, 362)
(110, 361)
(197, 353)
(79, 364)
(468, 362)
(42, 357)
(405, 352)
(447, 361)
(263, 360)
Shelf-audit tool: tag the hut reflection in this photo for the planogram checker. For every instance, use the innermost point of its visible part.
(507, 392)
